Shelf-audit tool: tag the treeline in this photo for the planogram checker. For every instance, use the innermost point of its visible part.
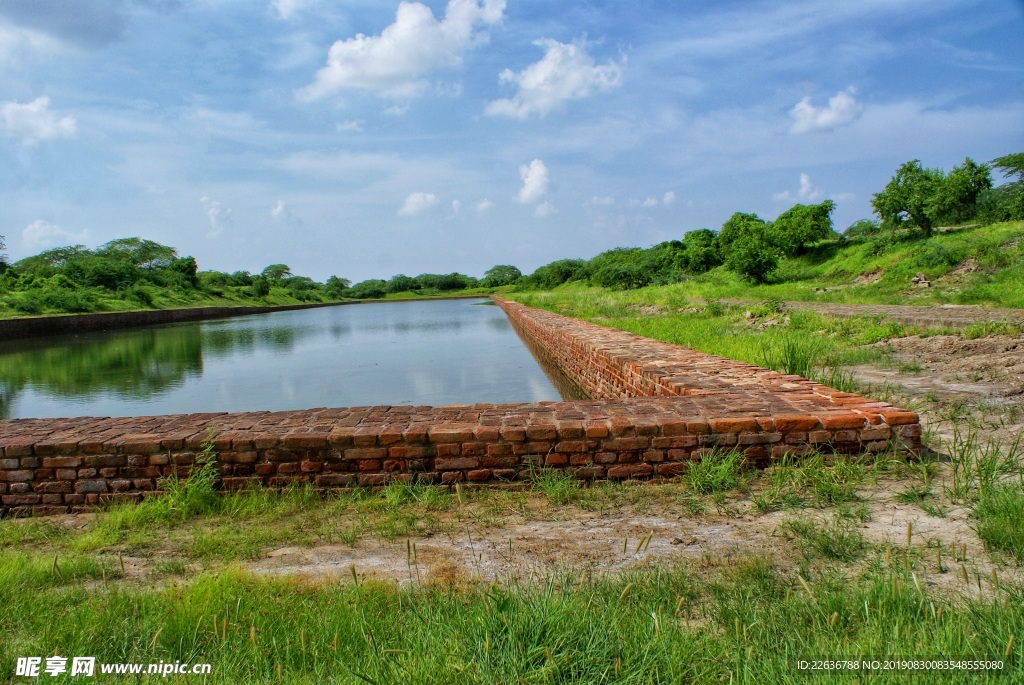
(140, 273)
(909, 207)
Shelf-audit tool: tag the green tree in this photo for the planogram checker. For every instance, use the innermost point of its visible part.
(260, 286)
(336, 286)
(909, 197)
(802, 225)
(144, 254)
(1012, 195)
(276, 272)
(401, 283)
(3, 257)
(749, 251)
(187, 268)
(702, 250)
(956, 199)
(501, 274)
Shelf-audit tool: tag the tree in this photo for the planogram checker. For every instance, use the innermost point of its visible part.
(187, 268)
(401, 283)
(145, 254)
(501, 274)
(3, 257)
(1013, 194)
(956, 199)
(701, 250)
(909, 197)
(802, 225)
(276, 272)
(750, 250)
(337, 286)
(260, 286)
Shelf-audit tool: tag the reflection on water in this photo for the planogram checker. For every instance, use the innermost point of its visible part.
(439, 352)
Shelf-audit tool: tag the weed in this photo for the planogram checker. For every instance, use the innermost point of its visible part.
(998, 514)
(716, 472)
(837, 539)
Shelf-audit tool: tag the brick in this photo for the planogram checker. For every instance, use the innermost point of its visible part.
(478, 475)
(357, 453)
(787, 424)
(840, 421)
(732, 425)
(456, 463)
(619, 444)
(85, 487)
(16, 476)
(449, 434)
(630, 471)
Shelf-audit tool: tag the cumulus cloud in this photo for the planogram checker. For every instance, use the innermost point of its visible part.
(417, 203)
(806, 193)
(218, 214)
(535, 182)
(669, 199)
(33, 121)
(395, 62)
(566, 72)
(456, 206)
(649, 202)
(483, 206)
(600, 201)
(42, 235)
(843, 108)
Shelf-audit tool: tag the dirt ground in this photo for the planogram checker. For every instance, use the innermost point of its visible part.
(953, 382)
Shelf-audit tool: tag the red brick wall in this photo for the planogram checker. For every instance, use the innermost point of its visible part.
(657, 407)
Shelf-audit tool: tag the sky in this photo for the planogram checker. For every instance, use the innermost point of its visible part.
(368, 138)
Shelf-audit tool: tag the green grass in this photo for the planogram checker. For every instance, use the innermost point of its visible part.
(744, 621)
(1000, 519)
(837, 539)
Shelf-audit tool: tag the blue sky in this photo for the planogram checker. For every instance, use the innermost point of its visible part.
(369, 138)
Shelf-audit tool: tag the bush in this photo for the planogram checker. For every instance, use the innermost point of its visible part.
(620, 277)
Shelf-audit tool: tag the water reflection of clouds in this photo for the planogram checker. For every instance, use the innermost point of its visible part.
(418, 353)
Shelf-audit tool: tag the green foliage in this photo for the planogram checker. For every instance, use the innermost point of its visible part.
(925, 198)
(556, 273)
(402, 283)
(371, 289)
(276, 272)
(862, 228)
(500, 275)
(748, 247)
(702, 250)
(909, 197)
(336, 286)
(260, 286)
(801, 225)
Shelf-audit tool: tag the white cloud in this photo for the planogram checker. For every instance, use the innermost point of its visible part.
(395, 62)
(279, 210)
(456, 206)
(483, 206)
(218, 214)
(843, 108)
(42, 235)
(286, 8)
(543, 209)
(598, 201)
(669, 199)
(806, 193)
(417, 203)
(566, 72)
(33, 122)
(649, 202)
(535, 182)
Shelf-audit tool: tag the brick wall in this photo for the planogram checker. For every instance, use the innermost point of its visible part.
(656, 407)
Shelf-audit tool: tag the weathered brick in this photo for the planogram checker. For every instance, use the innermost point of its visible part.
(456, 463)
(86, 487)
(630, 471)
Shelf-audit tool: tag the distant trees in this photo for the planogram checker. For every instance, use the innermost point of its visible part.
(499, 275)
(925, 198)
(1006, 202)
(802, 225)
(747, 245)
(276, 272)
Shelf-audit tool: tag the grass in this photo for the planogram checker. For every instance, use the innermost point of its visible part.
(735, 618)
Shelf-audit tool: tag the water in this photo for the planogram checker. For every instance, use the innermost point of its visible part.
(422, 353)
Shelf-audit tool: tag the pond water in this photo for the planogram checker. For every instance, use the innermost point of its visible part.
(432, 352)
